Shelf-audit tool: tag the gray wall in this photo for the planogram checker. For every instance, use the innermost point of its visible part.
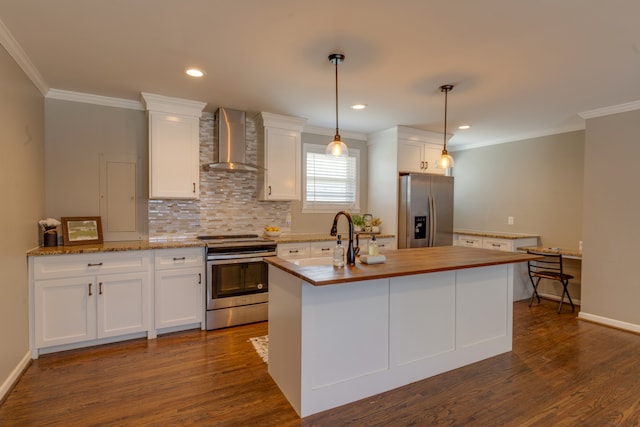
(321, 222)
(538, 181)
(22, 193)
(610, 216)
(76, 134)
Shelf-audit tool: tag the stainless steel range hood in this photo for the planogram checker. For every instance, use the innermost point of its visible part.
(231, 147)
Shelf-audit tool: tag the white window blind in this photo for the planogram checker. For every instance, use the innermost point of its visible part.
(330, 182)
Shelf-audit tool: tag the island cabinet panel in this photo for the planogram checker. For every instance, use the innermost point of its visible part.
(483, 293)
(335, 317)
(422, 317)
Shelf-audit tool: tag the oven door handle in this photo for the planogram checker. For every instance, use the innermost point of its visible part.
(235, 260)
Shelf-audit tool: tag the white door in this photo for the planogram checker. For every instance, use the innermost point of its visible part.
(65, 311)
(283, 164)
(410, 156)
(122, 304)
(179, 297)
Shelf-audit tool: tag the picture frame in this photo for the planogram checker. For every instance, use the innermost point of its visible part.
(81, 230)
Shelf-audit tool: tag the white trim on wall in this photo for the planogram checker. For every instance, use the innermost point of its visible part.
(618, 324)
(316, 130)
(18, 54)
(14, 376)
(613, 109)
(87, 98)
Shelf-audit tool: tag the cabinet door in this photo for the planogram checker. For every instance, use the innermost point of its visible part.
(430, 156)
(123, 304)
(65, 311)
(178, 297)
(173, 156)
(282, 153)
(410, 156)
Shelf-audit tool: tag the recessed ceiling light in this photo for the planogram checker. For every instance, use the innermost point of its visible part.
(359, 106)
(463, 127)
(194, 72)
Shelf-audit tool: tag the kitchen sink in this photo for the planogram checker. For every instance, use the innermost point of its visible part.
(307, 262)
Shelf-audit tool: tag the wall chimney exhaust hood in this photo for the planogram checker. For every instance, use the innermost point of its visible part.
(231, 148)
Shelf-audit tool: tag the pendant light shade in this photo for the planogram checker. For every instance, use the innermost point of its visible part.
(336, 147)
(445, 161)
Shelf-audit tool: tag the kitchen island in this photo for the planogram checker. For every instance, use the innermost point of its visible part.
(337, 335)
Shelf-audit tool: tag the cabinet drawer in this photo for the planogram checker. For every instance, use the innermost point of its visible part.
(386, 243)
(293, 250)
(57, 266)
(498, 244)
(470, 241)
(321, 249)
(178, 258)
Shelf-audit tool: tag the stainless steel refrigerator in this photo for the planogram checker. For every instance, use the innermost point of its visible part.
(425, 211)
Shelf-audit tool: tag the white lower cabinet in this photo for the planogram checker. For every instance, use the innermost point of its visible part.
(179, 288)
(86, 299)
(294, 250)
(80, 298)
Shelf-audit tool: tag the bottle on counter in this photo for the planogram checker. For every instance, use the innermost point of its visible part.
(338, 253)
(373, 246)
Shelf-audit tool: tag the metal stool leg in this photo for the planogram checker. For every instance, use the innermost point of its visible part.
(535, 290)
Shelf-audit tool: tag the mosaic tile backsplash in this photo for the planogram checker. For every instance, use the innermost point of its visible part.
(228, 200)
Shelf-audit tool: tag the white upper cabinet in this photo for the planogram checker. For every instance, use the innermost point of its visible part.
(174, 147)
(421, 157)
(279, 156)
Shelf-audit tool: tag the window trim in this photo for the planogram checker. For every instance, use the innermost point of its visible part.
(328, 207)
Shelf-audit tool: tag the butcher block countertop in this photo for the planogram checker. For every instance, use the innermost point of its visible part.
(402, 262)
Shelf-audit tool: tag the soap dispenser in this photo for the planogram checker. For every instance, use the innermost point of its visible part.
(373, 247)
(338, 253)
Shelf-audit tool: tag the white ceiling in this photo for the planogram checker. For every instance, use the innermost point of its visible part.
(520, 68)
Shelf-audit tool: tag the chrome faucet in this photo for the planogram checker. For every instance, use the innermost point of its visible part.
(351, 251)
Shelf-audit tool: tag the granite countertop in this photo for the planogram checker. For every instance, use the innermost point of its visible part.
(569, 253)
(133, 245)
(320, 237)
(495, 234)
(401, 262)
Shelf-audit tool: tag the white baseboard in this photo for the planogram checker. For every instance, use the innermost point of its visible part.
(14, 376)
(557, 298)
(618, 324)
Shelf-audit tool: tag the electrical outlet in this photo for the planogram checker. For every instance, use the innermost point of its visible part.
(510, 220)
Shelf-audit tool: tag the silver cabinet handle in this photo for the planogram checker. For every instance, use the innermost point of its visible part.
(179, 258)
(199, 278)
(94, 264)
(90, 289)
(269, 190)
(100, 288)
(194, 187)
(325, 249)
(294, 252)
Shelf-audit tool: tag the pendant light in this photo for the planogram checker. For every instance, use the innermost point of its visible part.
(445, 161)
(336, 147)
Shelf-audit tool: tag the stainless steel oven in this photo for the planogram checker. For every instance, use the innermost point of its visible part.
(237, 279)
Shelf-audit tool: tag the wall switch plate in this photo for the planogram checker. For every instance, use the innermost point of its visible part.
(510, 220)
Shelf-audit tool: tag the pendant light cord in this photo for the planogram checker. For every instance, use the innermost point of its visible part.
(336, 62)
(445, 89)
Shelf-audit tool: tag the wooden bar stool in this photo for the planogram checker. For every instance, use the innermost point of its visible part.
(549, 267)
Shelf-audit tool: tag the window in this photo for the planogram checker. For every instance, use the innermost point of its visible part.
(330, 183)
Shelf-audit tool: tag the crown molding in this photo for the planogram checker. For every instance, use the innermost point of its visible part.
(317, 130)
(166, 104)
(15, 50)
(88, 98)
(614, 109)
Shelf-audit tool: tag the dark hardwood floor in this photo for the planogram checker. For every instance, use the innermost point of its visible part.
(561, 372)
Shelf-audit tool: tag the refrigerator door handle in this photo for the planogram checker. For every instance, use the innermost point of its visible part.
(432, 220)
